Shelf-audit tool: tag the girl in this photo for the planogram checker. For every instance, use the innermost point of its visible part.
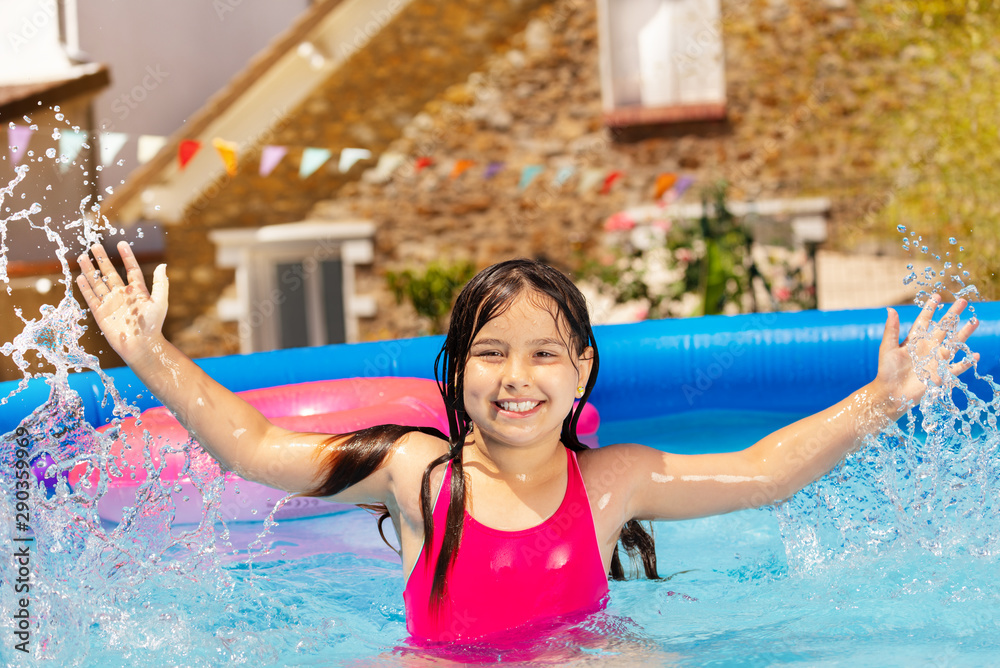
(510, 519)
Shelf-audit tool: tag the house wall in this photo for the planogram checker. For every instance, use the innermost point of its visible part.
(366, 103)
(805, 87)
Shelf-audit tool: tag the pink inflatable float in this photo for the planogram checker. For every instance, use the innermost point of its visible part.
(332, 406)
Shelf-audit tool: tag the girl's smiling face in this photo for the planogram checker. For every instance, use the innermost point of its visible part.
(522, 374)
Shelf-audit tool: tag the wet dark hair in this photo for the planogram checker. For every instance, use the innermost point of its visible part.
(489, 294)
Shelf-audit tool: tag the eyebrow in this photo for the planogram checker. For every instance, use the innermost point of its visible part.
(535, 342)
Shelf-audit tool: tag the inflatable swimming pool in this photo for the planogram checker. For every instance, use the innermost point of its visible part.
(788, 362)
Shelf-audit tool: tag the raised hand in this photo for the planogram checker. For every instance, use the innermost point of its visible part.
(903, 367)
(130, 316)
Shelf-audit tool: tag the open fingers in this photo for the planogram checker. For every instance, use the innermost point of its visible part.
(925, 317)
(92, 278)
(133, 272)
(111, 277)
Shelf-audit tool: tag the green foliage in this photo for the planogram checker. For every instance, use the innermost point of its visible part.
(431, 291)
(940, 148)
(682, 268)
(723, 276)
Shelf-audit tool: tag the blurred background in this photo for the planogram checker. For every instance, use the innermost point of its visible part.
(334, 171)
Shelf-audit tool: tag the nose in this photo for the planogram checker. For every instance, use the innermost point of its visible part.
(516, 373)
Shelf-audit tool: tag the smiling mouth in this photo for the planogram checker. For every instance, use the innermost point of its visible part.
(516, 406)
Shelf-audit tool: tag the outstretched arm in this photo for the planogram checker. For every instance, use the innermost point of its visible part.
(227, 427)
(668, 486)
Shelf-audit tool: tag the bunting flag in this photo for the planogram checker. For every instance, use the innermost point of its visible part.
(563, 175)
(589, 178)
(461, 166)
(270, 156)
(349, 156)
(422, 163)
(492, 170)
(111, 144)
(186, 151)
(609, 181)
(227, 151)
(682, 185)
(71, 142)
(388, 163)
(528, 174)
(664, 182)
(312, 159)
(149, 145)
(18, 138)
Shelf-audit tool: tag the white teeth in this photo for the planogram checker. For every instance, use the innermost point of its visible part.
(518, 406)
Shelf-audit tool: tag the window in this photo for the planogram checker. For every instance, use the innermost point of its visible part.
(295, 282)
(661, 61)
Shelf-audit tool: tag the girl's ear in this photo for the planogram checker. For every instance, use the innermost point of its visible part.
(585, 365)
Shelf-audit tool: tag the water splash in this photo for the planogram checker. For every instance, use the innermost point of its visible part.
(87, 577)
(929, 483)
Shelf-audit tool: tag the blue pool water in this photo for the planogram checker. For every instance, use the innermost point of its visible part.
(745, 589)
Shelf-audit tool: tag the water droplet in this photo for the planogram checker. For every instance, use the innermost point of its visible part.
(909, 279)
(50, 153)
(923, 249)
(952, 240)
(901, 228)
(59, 117)
(909, 266)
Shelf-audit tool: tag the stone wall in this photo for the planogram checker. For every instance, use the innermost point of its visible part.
(802, 96)
(806, 91)
(366, 103)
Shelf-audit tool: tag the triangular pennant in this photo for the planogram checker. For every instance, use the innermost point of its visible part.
(492, 170)
(18, 137)
(664, 182)
(71, 142)
(460, 167)
(227, 151)
(349, 156)
(610, 181)
(388, 163)
(563, 175)
(528, 174)
(149, 145)
(682, 185)
(186, 151)
(111, 144)
(589, 178)
(312, 159)
(422, 163)
(270, 156)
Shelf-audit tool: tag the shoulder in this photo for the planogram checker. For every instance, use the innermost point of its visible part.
(617, 467)
(412, 454)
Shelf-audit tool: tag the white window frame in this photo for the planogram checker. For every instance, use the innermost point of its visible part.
(694, 72)
(255, 254)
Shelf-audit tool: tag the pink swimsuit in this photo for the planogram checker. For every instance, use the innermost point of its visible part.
(502, 579)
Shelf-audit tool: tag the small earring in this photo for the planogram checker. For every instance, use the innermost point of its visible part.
(579, 390)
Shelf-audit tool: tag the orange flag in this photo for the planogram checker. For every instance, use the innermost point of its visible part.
(460, 166)
(227, 151)
(186, 151)
(664, 182)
